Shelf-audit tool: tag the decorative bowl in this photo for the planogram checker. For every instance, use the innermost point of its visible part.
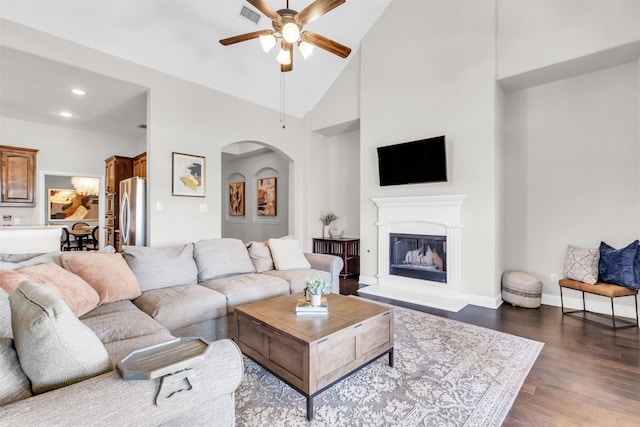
(336, 232)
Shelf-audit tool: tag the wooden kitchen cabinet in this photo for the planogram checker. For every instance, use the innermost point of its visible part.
(17, 176)
(117, 168)
(140, 165)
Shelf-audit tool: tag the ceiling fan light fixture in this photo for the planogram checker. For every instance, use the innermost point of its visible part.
(283, 57)
(267, 42)
(306, 49)
(290, 32)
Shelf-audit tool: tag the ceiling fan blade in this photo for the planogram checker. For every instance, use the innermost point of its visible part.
(288, 67)
(263, 7)
(317, 9)
(245, 37)
(327, 44)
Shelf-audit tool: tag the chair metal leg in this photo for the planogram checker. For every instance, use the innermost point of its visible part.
(613, 314)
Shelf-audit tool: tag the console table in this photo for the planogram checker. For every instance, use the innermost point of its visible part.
(346, 248)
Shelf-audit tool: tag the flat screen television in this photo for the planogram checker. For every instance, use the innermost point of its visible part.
(413, 162)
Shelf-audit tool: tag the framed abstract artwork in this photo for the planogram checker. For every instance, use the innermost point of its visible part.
(266, 196)
(68, 205)
(188, 175)
(236, 199)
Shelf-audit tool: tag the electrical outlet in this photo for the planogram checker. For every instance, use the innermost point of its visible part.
(554, 278)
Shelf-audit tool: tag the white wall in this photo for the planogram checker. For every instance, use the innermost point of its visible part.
(334, 182)
(571, 171)
(187, 118)
(534, 34)
(444, 84)
(64, 150)
(341, 103)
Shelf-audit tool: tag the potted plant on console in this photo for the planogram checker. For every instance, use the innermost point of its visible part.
(327, 219)
(315, 289)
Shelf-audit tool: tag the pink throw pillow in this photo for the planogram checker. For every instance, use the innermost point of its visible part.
(108, 274)
(73, 290)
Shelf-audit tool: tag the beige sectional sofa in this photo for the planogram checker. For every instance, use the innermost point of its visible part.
(129, 301)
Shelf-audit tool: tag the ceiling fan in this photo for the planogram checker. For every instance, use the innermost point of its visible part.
(287, 27)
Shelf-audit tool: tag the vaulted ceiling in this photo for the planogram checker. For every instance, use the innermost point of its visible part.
(181, 38)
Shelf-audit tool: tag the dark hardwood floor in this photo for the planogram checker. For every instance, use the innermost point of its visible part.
(586, 375)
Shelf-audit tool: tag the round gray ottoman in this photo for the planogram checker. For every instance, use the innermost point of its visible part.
(521, 289)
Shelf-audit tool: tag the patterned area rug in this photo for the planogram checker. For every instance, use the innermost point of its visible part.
(446, 373)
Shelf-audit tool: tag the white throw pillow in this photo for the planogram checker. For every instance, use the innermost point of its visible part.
(54, 347)
(287, 254)
(581, 264)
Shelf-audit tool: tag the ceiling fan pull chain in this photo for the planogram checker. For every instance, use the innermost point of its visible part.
(282, 100)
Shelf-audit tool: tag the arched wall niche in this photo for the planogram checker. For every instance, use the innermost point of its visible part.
(260, 175)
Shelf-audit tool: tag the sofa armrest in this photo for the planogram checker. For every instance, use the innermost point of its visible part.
(329, 263)
(108, 400)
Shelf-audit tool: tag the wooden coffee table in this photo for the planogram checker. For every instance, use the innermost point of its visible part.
(313, 352)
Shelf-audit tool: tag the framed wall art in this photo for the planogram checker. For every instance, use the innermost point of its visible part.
(236, 199)
(188, 175)
(68, 205)
(266, 196)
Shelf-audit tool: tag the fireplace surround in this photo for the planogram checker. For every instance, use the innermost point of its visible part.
(420, 215)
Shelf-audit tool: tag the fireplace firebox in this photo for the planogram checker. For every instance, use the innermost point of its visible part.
(418, 256)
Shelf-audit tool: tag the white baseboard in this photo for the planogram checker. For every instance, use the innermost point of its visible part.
(368, 280)
(486, 302)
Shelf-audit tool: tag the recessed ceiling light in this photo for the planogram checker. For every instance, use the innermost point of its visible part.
(66, 114)
(79, 92)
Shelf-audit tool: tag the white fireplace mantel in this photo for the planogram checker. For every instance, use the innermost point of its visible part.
(434, 215)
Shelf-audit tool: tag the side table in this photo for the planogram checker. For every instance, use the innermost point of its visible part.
(347, 248)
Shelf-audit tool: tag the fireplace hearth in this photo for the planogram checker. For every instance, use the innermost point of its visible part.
(418, 256)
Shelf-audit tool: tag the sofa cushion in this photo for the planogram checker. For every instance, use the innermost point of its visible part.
(75, 292)
(246, 288)
(221, 257)
(5, 315)
(260, 256)
(620, 266)
(157, 268)
(120, 320)
(54, 347)
(287, 254)
(14, 384)
(582, 264)
(108, 274)
(179, 306)
(298, 277)
(119, 349)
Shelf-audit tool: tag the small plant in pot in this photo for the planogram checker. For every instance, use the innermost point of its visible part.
(315, 288)
(327, 219)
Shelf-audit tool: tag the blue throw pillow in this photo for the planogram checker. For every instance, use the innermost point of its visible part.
(620, 266)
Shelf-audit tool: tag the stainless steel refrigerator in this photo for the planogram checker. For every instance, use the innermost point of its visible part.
(133, 212)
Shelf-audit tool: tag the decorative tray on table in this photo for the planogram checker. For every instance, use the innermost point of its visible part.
(163, 359)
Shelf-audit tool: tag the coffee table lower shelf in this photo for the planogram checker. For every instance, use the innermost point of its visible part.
(311, 354)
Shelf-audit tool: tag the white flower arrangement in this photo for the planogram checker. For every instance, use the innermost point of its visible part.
(317, 286)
